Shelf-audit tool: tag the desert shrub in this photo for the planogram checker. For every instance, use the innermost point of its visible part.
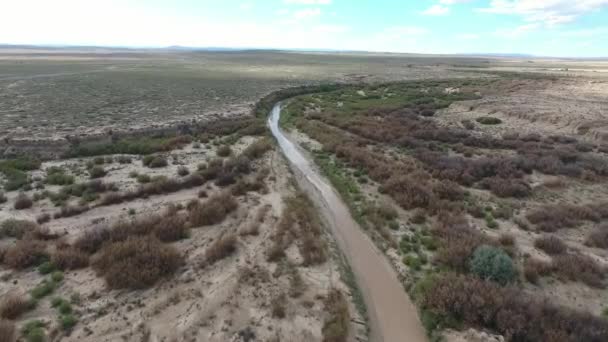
(3, 198)
(507, 240)
(458, 241)
(92, 240)
(517, 316)
(97, 172)
(488, 120)
(214, 210)
(220, 249)
(491, 263)
(58, 177)
(45, 288)
(67, 321)
(409, 193)
(202, 194)
(23, 202)
(46, 267)
(550, 244)
(183, 171)
(534, 269)
(7, 331)
(502, 187)
(578, 267)
(16, 228)
(25, 253)
(224, 151)
(124, 159)
(277, 306)
(43, 218)
(157, 162)
(143, 179)
(257, 148)
(70, 210)
(33, 331)
(12, 306)
(550, 218)
(112, 198)
(137, 262)
(69, 258)
(336, 324)
(598, 237)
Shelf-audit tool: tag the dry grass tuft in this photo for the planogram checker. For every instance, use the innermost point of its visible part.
(25, 253)
(222, 248)
(213, 211)
(13, 306)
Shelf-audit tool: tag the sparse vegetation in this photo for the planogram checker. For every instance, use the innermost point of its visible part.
(213, 211)
(220, 249)
(137, 262)
(23, 202)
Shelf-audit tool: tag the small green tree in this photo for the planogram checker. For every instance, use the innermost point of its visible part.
(491, 263)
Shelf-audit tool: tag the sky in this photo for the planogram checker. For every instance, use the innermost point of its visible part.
(560, 28)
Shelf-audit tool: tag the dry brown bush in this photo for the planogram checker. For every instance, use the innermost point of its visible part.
(458, 241)
(220, 249)
(578, 267)
(23, 202)
(598, 237)
(13, 305)
(25, 253)
(16, 228)
(43, 218)
(92, 240)
(550, 244)
(214, 210)
(534, 269)
(506, 240)
(138, 262)
(336, 324)
(550, 218)
(502, 187)
(508, 311)
(8, 332)
(408, 192)
(70, 210)
(224, 151)
(69, 258)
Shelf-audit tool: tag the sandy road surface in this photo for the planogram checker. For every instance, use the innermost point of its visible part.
(393, 317)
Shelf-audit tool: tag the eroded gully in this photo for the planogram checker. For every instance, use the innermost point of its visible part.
(392, 315)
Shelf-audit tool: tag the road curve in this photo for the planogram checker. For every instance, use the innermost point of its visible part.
(392, 315)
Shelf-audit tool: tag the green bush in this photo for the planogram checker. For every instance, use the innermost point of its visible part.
(43, 289)
(46, 267)
(491, 263)
(33, 331)
(488, 120)
(97, 172)
(67, 321)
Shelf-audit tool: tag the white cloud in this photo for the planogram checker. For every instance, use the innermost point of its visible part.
(436, 10)
(307, 13)
(307, 2)
(587, 33)
(516, 32)
(452, 2)
(246, 6)
(548, 12)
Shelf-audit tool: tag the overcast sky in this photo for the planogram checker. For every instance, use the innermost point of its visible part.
(572, 28)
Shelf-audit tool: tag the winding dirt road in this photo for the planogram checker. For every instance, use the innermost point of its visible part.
(393, 317)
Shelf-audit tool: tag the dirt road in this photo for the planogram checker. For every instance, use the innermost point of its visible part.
(393, 317)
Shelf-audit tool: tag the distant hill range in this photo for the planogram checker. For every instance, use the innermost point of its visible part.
(178, 48)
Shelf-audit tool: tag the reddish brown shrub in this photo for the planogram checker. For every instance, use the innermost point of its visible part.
(137, 262)
(578, 267)
(551, 244)
(12, 306)
(23, 202)
(508, 311)
(506, 240)
(458, 241)
(336, 325)
(213, 211)
(25, 253)
(550, 218)
(69, 258)
(220, 249)
(409, 193)
(502, 187)
(8, 332)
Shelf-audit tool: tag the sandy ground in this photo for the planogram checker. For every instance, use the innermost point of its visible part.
(228, 301)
